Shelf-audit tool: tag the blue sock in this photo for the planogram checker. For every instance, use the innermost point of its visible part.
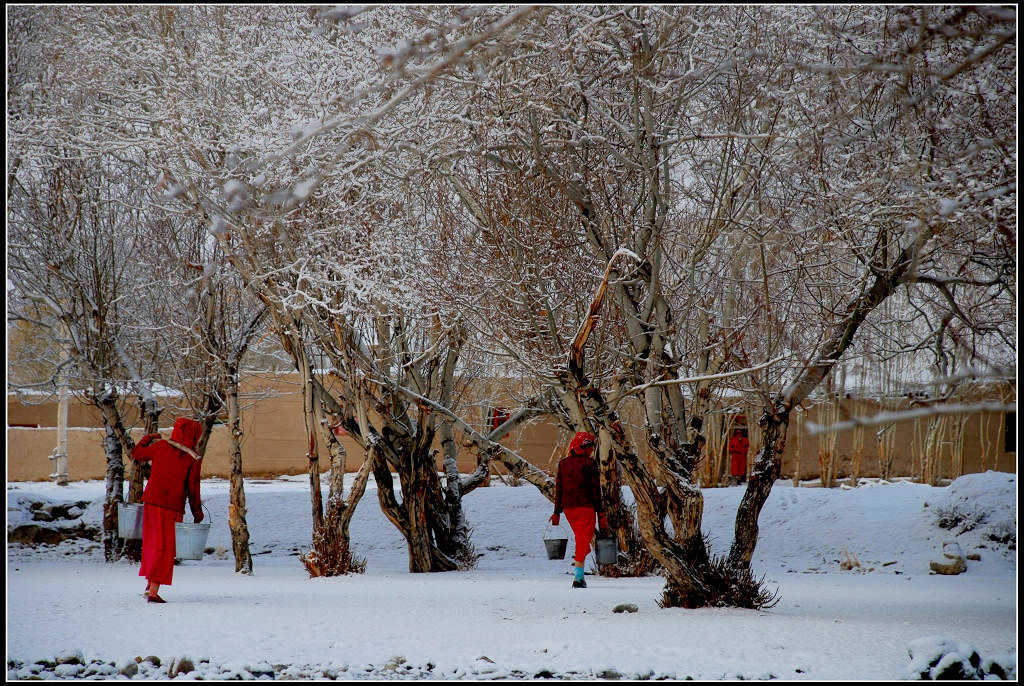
(578, 573)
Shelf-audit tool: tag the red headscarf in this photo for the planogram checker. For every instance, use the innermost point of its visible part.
(582, 443)
(186, 432)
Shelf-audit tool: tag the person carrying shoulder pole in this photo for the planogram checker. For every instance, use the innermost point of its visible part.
(175, 477)
(578, 493)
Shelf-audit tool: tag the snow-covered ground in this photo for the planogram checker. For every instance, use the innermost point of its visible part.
(515, 614)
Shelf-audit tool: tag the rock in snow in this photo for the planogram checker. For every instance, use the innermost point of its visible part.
(954, 564)
(938, 658)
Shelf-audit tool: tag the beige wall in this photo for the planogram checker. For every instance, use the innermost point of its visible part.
(274, 442)
(904, 462)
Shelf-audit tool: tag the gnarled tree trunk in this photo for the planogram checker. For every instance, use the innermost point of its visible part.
(309, 415)
(236, 503)
(767, 468)
(774, 422)
(113, 446)
(138, 472)
(112, 543)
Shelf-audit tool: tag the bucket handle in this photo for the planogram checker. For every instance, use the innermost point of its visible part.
(208, 513)
(552, 527)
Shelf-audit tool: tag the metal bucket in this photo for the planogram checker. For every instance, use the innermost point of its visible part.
(556, 547)
(190, 539)
(556, 542)
(129, 520)
(606, 550)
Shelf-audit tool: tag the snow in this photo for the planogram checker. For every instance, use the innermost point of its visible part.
(29, 392)
(515, 616)
(941, 658)
(122, 389)
(971, 504)
(304, 188)
(948, 206)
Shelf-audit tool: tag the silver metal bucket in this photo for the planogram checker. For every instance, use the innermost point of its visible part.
(190, 539)
(555, 541)
(129, 520)
(606, 550)
(556, 547)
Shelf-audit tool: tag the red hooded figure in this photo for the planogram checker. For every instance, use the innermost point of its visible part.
(174, 476)
(738, 447)
(578, 493)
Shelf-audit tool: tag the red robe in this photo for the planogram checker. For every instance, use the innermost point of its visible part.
(174, 476)
(738, 447)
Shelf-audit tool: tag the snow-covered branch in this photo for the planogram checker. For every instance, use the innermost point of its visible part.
(707, 377)
(885, 418)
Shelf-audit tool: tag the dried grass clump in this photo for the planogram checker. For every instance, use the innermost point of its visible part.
(331, 555)
(1004, 534)
(466, 555)
(724, 586)
(956, 517)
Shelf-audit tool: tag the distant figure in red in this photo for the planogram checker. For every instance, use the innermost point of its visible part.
(738, 447)
(578, 492)
(174, 475)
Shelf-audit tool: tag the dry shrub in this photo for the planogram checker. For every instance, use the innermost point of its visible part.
(724, 586)
(466, 555)
(848, 560)
(1004, 534)
(331, 555)
(957, 516)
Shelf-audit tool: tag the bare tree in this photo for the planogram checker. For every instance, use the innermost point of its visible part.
(74, 242)
(625, 210)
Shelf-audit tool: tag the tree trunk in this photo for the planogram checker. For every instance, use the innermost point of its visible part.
(421, 517)
(774, 422)
(389, 505)
(418, 513)
(112, 543)
(310, 416)
(418, 538)
(767, 468)
(355, 493)
(429, 536)
(932, 443)
(137, 472)
(332, 549)
(486, 480)
(683, 579)
(214, 405)
(336, 484)
(113, 447)
(620, 521)
(459, 527)
(236, 503)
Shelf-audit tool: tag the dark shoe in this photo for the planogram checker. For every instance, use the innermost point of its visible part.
(582, 583)
(154, 599)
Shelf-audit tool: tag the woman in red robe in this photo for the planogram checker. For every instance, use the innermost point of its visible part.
(174, 475)
(738, 447)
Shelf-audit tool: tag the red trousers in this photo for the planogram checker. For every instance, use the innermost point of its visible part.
(158, 543)
(582, 521)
